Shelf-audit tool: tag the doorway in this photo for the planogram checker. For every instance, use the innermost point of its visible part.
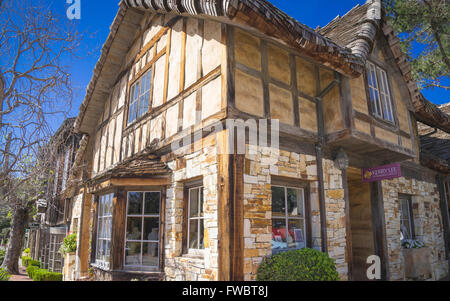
(362, 230)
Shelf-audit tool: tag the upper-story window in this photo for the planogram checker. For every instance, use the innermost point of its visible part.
(380, 95)
(140, 97)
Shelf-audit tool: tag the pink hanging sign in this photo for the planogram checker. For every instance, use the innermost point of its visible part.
(385, 172)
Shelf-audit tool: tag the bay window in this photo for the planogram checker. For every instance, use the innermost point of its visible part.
(142, 230)
(380, 95)
(104, 227)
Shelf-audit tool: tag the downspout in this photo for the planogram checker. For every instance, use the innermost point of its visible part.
(319, 158)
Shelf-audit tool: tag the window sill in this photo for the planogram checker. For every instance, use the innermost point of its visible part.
(100, 267)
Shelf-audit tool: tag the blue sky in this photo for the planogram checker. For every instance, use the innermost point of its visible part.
(97, 16)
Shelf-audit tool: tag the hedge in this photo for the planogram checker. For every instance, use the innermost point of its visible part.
(35, 263)
(46, 275)
(25, 260)
(2, 256)
(31, 270)
(299, 265)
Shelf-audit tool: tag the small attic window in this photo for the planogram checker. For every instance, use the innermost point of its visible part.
(380, 95)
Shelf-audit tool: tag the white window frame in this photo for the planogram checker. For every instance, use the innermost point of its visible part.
(109, 198)
(286, 213)
(199, 218)
(136, 99)
(142, 241)
(380, 93)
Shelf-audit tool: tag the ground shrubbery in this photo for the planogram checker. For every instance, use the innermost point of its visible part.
(37, 274)
(4, 275)
(46, 275)
(25, 260)
(298, 265)
(2, 256)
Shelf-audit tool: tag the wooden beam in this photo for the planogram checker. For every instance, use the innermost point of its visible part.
(225, 190)
(348, 229)
(379, 228)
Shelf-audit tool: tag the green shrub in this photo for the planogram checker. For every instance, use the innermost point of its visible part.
(69, 244)
(27, 251)
(4, 275)
(46, 275)
(35, 263)
(25, 260)
(31, 270)
(2, 256)
(299, 265)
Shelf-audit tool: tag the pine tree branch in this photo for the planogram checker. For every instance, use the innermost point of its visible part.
(436, 35)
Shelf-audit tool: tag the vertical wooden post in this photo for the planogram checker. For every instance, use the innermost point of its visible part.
(379, 228)
(348, 225)
(443, 202)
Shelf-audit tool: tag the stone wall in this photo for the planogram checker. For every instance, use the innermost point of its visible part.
(335, 212)
(261, 164)
(178, 266)
(427, 222)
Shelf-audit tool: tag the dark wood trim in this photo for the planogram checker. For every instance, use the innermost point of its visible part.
(237, 268)
(379, 228)
(348, 226)
(231, 62)
(162, 228)
(346, 102)
(118, 229)
(319, 158)
(293, 67)
(444, 203)
(94, 228)
(265, 78)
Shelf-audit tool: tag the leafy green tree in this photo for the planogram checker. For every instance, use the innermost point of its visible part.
(423, 27)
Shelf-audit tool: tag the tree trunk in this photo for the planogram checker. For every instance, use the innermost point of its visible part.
(14, 248)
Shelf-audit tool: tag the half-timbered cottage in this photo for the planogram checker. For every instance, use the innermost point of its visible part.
(54, 210)
(174, 192)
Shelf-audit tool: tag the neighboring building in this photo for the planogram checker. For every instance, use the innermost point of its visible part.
(168, 194)
(54, 211)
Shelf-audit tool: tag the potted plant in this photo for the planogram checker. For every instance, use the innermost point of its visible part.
(417, 259)
(68, 249)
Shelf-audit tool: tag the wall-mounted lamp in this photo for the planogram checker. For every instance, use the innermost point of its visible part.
(341, 161)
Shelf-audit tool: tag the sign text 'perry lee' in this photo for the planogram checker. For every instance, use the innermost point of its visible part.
(385, 172)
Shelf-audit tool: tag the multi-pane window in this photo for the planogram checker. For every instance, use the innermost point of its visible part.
(196, 219)
(140, 97)
(380, 96)
(142, 234)
(288, 218)
(104, 226)
(406, 218)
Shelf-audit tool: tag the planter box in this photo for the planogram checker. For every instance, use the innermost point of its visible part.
(417, 263)
(69, 267)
